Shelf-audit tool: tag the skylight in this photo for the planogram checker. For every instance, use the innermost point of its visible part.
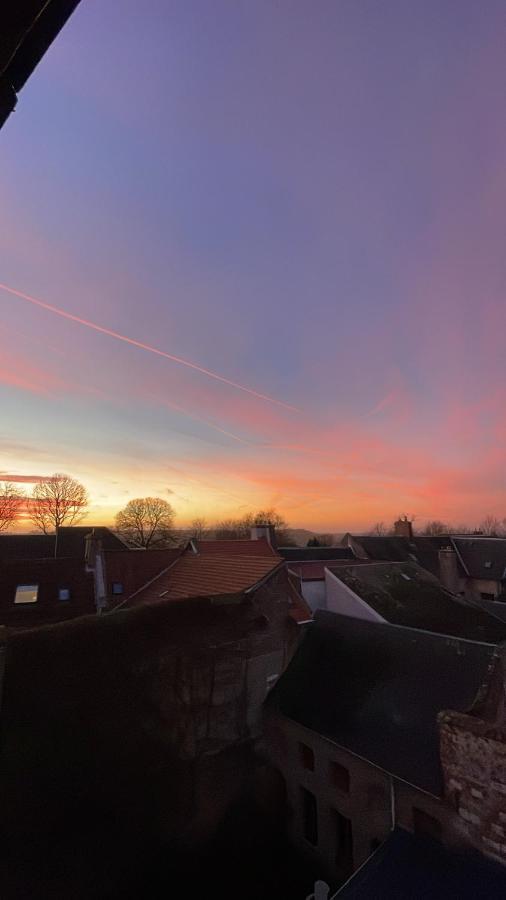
(27, 593)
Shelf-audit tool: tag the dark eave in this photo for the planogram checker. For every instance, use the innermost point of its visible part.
(27, 30)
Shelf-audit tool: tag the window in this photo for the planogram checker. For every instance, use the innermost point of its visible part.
(485, 596)
(27, 593)
(344, 841)
(306, 757)
(340, 777)
(425, 824)
(63, 593)
(488, 564)
(309, 816)
(117, 587)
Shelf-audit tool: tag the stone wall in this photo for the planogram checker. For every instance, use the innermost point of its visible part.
(473, 755)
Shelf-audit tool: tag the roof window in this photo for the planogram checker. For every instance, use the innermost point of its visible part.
(27, 593)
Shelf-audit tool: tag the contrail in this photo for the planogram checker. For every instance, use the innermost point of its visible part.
(134, 343)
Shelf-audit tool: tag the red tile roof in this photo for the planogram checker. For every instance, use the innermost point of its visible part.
(245, 547)
(134, 568)
(197, 575)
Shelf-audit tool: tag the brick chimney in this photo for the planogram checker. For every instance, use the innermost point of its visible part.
(267, 531)
(448, 571)
(95, 562)
(404, 528)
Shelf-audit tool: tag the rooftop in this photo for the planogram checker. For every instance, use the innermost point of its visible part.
(307, 554)
(406, 594)
(70, 543)
(207, 575)
(376, 690)
(409, 865)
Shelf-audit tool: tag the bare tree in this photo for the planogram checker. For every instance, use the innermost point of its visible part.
(199, 529)
(379, 529)
(146, 522)
(11, 502)
(436, 527)
(58, 500)
(491, 526)
(237, 529)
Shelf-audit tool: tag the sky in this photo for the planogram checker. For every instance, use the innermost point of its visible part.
(307, 202)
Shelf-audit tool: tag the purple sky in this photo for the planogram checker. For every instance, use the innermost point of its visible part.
(305, 198)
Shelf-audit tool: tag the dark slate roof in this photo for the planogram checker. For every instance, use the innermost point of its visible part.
(376, 690)
(406, 594)
(484, 557)
(422, 550)
(416, 867)
(305, 554)
(70, 543)
(394, 549)
(49, 575)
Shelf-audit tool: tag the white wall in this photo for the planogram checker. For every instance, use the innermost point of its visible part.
(341, 599)
(315, 594)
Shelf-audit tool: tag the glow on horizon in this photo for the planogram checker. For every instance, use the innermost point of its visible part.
(327, 225)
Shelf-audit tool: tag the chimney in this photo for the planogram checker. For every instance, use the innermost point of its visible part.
(448, 571)
(403, 528)
(95, 562)
(267, 531)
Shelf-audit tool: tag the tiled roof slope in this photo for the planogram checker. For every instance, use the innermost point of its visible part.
(260, 547)
(406, 594)
(207, 576)
(376, 690)
(134, 568)
(416, 867)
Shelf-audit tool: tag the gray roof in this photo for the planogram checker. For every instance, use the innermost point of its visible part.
(376, 690)
(483, 557)
(416, 867)
(70, 543)
(406, 594)
(310, 554)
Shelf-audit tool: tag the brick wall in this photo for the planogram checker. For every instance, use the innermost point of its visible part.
(473, 755)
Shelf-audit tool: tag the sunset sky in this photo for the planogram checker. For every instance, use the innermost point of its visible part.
(307, 199)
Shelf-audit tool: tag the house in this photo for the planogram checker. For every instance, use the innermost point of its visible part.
(471, 565)
(406, 594)
(412, 865)
(91, 572)
(70, 543)
(137, 728)
(374, 726)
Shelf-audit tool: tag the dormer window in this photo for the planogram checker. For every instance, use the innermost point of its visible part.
(117, 588)
(27, 593)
